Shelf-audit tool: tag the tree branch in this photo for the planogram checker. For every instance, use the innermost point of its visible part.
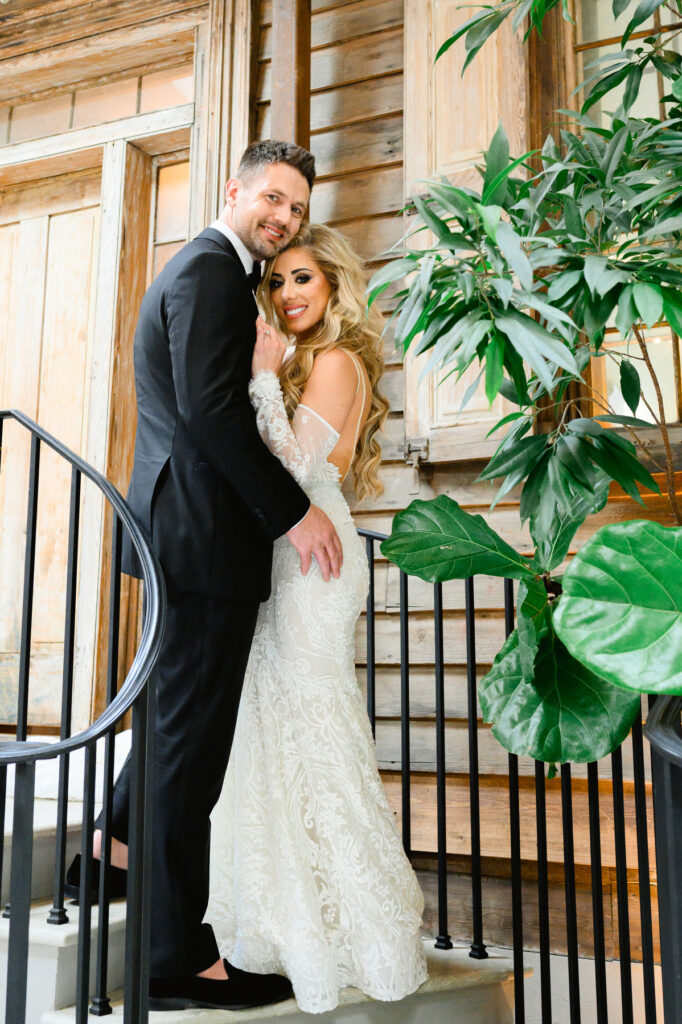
(669, 465)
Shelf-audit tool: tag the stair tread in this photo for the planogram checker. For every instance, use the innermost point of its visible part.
(45, 816)
(42, 934)
(449, 970)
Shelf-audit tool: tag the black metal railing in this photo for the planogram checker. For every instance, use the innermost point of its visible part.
(579, 937)
(136, 693)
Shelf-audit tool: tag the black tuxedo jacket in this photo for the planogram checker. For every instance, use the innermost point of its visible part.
(204, 484)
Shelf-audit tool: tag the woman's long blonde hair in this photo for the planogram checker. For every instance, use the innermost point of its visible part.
(346, 324)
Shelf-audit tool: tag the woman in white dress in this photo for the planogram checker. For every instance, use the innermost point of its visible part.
(308, 874)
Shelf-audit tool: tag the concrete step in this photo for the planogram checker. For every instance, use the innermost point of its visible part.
(45, 813)
(53, 958)
(44, 839)
(458, 989)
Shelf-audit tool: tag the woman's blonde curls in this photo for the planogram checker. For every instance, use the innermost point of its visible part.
(346, 324)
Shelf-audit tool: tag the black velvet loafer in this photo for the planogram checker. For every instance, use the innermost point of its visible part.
(241, 991)
(118, 880)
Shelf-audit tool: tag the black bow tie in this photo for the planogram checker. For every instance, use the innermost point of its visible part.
(254, 277)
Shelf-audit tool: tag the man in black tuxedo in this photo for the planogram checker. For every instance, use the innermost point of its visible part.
(213, 499)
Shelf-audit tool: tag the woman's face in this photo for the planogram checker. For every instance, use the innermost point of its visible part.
(299, 290)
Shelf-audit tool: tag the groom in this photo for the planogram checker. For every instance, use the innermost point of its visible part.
(213, 499)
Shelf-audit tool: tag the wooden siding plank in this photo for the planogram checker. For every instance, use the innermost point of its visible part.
(489, 638)
(359, 19)
(57, 26)
(265, 15)
(358, 147)
(356, 195)
(354, 61)
(492, 757)
(495, 816)
(344, 105)
(373, 236)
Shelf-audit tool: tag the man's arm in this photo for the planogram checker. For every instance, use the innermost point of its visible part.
(211, 346)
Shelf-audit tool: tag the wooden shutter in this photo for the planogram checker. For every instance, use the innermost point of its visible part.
(449, 122)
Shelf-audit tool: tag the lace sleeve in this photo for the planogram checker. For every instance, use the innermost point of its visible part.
(300, 450)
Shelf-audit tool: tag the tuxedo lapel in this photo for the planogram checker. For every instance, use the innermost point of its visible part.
(223, 242)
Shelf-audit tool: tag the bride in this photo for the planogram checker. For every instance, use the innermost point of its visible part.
(308, 873)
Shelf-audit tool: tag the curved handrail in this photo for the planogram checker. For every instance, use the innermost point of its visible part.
(662, 728)
(152, 630)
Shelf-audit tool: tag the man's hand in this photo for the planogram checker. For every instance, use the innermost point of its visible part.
(315, 535)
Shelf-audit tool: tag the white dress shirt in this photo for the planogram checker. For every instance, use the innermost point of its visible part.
(247, 262)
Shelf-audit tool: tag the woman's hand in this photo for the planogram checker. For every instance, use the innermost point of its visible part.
(268, 352)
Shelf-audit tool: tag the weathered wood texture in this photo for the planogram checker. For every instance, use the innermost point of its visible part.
(48, 290)
(497, 908)
(53, 45)
(132, 268)
(356, 115)
(290, 98)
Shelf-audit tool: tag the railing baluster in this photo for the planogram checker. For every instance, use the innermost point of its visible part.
(27, 604)
(543, 893)
(644, 873)
(597, 894)
(622, 888)
(515, 845)
(443, 941)
(58, 914)
(20, 892)
(667, 791)
(3, 811)
(136, 992)
(371, 647)
(85, 894)
(101, 1005)
(478, 950)
(405, 711)
(29, 574)
(569, 888)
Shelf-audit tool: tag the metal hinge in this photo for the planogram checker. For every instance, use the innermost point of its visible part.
(416, 450)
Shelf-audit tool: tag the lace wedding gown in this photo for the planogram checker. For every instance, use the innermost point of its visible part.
(308, 873)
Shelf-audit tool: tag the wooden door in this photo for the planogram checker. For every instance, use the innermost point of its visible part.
(48, 251)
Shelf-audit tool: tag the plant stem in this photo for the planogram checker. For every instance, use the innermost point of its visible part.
(669, 465)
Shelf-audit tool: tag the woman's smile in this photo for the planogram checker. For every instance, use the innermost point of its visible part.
(300, 291)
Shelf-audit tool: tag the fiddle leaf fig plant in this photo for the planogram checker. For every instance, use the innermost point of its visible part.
(521, 280)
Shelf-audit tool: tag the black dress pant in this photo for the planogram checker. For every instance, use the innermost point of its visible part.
(199, 678)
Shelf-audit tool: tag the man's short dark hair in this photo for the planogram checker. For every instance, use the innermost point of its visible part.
(258, 155)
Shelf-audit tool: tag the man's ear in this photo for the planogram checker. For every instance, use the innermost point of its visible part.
(232, 187)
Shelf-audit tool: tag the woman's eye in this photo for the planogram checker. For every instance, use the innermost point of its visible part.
(302, 279)
(274, 285)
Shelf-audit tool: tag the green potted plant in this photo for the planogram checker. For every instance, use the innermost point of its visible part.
(522, 278)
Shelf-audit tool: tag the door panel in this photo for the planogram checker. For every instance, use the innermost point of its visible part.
(47, 286)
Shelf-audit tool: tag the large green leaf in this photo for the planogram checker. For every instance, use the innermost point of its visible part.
(437, 540)
(630, 385)
(643, 12)
(566, 714)
(534, 618)
(621, 611)
(497, 159)
(649, 302)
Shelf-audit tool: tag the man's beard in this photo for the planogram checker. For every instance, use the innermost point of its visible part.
(262, 250)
